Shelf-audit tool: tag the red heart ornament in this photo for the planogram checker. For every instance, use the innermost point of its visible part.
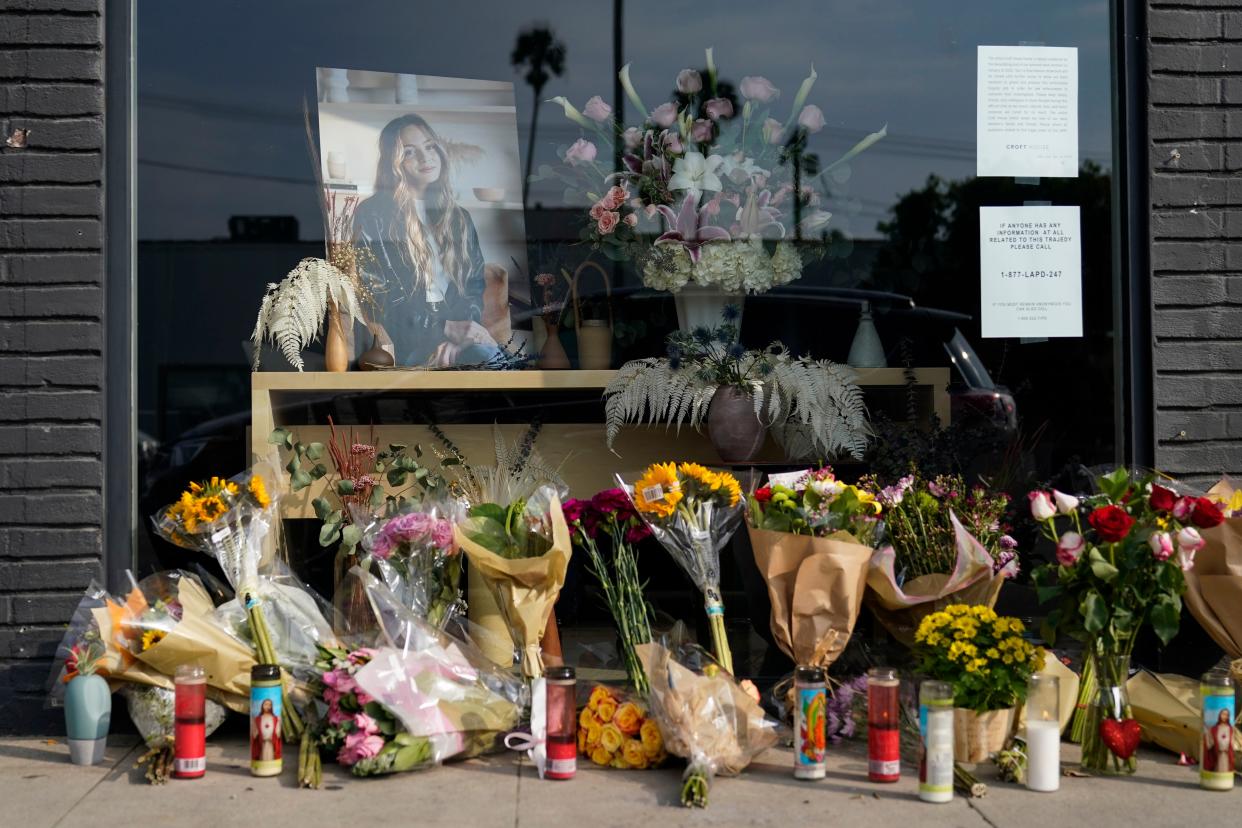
(1121, 736)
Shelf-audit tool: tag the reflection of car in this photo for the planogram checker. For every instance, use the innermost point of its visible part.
(978, 396)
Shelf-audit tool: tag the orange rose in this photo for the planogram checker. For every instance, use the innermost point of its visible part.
(653, 740)
(610, 738)
(634, 753)
(601, 757)
(628, 718)
(582, 740)
(584, 719)
(593, 732)
(606, 710)
(599, 694)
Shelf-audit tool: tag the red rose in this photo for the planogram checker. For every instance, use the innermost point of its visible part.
(764, 494)
(1111, 523)
(1162, 499)
(1206, 514)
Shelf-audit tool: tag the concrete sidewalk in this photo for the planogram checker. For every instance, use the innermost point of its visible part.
(38, 788)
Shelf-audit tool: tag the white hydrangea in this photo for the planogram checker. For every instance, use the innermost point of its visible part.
(722, 265)
(732, 267)
(668, 272)
(786, 264)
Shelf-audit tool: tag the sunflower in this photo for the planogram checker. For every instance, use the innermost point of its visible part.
(728, 486)
(212, 507)
(657, 492)
(152, 637)
(258, 491)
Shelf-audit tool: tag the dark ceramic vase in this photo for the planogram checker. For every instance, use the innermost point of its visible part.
(735, 431)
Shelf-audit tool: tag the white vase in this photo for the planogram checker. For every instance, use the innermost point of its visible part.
(866, 351)
(703, 307)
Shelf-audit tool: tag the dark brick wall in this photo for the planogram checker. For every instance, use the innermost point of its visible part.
(51, 337)
(1195, 129)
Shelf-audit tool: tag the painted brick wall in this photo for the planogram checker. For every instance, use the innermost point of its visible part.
(1195, 128)
(51, 337)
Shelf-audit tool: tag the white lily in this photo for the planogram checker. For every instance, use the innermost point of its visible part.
(803, 91)
(739, 168)
(624, 75)
(696, 173)
(571, 112)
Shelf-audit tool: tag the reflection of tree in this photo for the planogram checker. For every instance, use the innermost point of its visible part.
(542, 56)
(931, 252)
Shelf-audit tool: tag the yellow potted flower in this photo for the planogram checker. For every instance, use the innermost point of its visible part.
(988, 662)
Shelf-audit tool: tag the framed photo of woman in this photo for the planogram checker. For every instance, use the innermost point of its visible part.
(426, 174)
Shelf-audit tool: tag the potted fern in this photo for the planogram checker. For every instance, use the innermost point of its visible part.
(293, 312)
(813, 408)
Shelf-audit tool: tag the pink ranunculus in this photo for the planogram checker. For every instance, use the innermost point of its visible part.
(359, 746)
(718, 108)
(701, 131)
(689, 82)
(632, 138)
(772, 131)
(1161, 544)
(1070, 548)
(758, 88)
(608, 222)
(631, 219)
(365, 723)
(811, 118)
(664, 115)
(1042, 507)
(597, 110)
(442, 535)
(581, 151)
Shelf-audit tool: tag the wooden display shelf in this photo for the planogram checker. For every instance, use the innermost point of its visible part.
(577, 448)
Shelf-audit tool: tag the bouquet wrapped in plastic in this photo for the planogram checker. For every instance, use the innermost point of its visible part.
(615, 730)
(812, 536)
(704, 714)
(693, 512)
(419, 698)
(417, 556)
(522, 551)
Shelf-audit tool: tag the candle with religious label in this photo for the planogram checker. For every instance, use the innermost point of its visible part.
(1216, 759)
(936, 728)
(811, 703)
(1043, 733)
(883, 725)
(265, 713)
(562, 723)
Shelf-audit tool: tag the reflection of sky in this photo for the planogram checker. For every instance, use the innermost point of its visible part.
(221, 84)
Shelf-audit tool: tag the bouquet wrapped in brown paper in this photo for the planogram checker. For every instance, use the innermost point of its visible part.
(1168, 710)
(946, 545)
(812, 537)
(522, 552)
(1214, 584)
(166, 620)
(704, 715)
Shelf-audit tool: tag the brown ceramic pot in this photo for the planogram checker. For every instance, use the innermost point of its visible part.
(734, 429)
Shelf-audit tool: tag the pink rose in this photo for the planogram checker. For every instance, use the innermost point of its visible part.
(1042, 507)
(772, 131)
(615, 197)
(597, 110)
(631, 219)
(758, 88)
(337, 716)
(811, 118)
(1161, 544)
(359, 746)
(363, 699)
(718, 108)
(442, 536)
(701, 131)
(332, 697)
(608, 222)
(1070, 548)
(340, 681)
(632, 138)
(581, 152)
(598, 210)
(365, 723)
(1183, 507)
(664, 115)
(689, 81)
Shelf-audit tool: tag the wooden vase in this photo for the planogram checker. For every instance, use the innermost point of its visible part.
(335, 349)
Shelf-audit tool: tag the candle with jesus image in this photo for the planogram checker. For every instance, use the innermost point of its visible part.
(1216, 759)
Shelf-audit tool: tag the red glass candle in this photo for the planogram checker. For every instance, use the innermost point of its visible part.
(562, 723)
(883, 725)
(190, 729)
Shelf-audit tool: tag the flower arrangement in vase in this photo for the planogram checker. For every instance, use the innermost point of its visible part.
(988, 662)
(727, 191)
(812, 407)
(1121, 555)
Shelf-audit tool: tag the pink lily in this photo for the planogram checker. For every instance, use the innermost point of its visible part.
(688, 228)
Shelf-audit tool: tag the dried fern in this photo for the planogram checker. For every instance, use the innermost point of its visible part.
(814, 407)
(292, 314)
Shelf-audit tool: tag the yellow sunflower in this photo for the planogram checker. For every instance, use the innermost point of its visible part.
(152, 637)
(258, 491)
(212, 507)
(657, 492)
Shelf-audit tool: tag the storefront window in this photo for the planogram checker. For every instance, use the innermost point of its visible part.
(228, 201)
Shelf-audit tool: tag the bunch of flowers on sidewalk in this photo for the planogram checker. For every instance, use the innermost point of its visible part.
(615, 731)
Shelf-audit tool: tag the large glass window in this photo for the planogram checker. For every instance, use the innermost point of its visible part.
(228, 201)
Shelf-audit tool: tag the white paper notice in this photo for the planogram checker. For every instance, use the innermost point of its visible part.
(1030, 269)
(1027, 112)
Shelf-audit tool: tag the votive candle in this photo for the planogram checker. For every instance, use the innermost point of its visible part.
(1043, 733)
(1216, 757)
(883, 725)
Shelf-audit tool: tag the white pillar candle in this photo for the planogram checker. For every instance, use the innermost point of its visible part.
(1043, 755)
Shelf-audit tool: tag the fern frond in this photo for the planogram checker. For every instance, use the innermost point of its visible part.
(292, 313)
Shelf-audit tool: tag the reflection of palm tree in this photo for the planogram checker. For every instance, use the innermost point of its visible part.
(542, 55)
